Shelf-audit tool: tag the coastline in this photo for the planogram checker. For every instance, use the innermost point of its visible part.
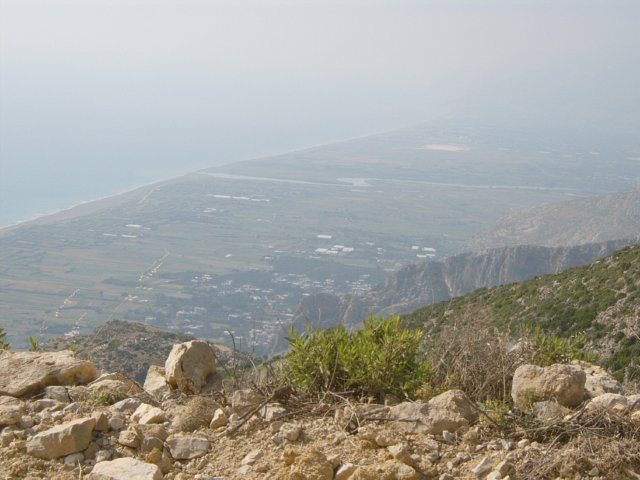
(40, 216)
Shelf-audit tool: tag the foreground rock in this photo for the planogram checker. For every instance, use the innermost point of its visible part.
(563, 384)
(449, 411)
(599, 381)
(62, 440)
(155, 383)
(125, 469)
(28, 373)
(190, 366)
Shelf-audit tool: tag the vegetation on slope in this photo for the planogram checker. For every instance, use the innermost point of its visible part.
(600, 301)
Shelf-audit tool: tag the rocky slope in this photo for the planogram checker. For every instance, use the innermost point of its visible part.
(423, 284)
(73, 425)
(592, 219)
(121, 346)
(600, 300)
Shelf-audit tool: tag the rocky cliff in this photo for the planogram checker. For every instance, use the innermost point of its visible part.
(415, 286)
(583, 220)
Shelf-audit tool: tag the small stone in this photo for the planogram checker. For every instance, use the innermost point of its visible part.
(26, 421)
(400, 453)
(448, 437)
(41, 404)
(129, 438)
(152, 430)
(149, 443)
(125, 469)
(102, 422)
(72, 408)
(128, 405)
(57, 392)
(345, 471)
(272, 411)
(6, 437)
(243, 401)
(219, 419)
(504, 468)
(484, 466)
(186, 447)
(146, 414)
(290, 431)
(74, 459)
(252, 457)
(116, 422)
(103, 456)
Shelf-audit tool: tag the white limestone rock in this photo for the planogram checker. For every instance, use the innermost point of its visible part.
(561, 383)
(155, 383)
(27, 373)
(125, 469)
(190, 366)
(62, 440)
(186, 447)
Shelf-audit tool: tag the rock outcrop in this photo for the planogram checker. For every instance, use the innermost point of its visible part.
(423, 284)
(28, 373)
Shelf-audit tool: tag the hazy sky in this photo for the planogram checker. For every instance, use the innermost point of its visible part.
(99, 95)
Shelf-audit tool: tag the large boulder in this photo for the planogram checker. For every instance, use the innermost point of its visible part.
(28, 373)
(561, 383)
(61, 440)
(125, 469)
(190, 366)
(449, 411)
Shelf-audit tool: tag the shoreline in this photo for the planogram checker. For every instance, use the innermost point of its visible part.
(39, 216)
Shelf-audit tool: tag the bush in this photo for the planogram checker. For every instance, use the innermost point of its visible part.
(378, 360)
(549, 349)
(3, 343)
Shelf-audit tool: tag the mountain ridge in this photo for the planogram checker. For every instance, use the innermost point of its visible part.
(418, 285)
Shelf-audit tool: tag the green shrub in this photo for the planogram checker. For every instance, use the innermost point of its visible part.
(3, 344)
(105, 398)
(550, 349)
(378, 360)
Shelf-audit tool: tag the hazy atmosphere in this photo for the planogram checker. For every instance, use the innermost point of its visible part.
(97, 97)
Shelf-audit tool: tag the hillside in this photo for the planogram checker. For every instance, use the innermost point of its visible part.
(119, 346)
(593, 219)
(423, 284)
(601, 299)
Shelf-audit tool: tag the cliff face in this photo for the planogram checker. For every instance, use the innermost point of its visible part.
(418, 285)
(583, 220)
